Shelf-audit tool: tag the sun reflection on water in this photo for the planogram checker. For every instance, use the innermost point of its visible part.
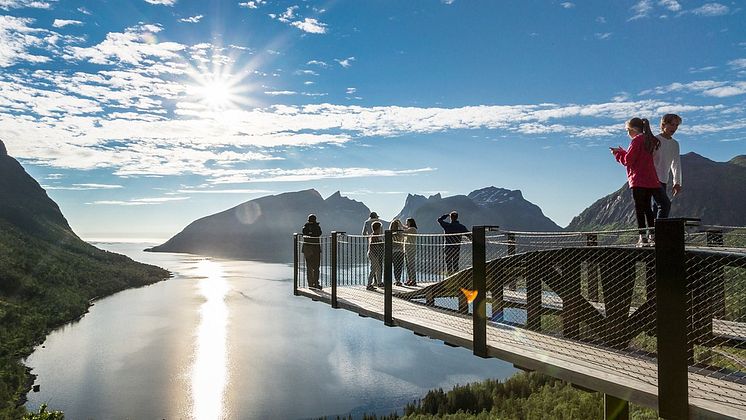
(209, 373)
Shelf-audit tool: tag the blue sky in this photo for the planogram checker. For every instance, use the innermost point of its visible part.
(139, 116)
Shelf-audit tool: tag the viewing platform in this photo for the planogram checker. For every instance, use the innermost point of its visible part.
(582, 307)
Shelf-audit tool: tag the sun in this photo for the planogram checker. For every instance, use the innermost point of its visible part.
(219, 89)
(216, 94)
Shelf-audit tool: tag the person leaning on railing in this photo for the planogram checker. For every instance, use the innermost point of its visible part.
(452, 248)
(410, 251)
(312, 251)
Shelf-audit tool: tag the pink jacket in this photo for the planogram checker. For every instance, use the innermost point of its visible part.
(639, 163)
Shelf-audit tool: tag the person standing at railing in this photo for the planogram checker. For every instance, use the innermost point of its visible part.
(397, 249)
(452, 249)
(641, 175)
(312, 251)
(367, 231)
(667, 160)
(410, 251)
(375, 256)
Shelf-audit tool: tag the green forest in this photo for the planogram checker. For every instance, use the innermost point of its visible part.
(45, 282)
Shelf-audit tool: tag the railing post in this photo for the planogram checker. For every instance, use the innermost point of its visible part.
(671, 318)
(295, 264)
(333, 262)
(591, 239)
(479, 284)
(388, 256)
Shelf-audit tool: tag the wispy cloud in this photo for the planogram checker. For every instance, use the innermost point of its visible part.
(310, 25)
(224, 191)
(18, 38)
(671, 5)
(567, 4)
(139, 201)
(641, 9)
(252, 4)
(713, 88)
(192, 19)
(83, 187)
(162, 2)
(317, 63)
(60, 23)
(346, 62)
(604, 35)
(711, 9)
(32, 4)
(305, 174)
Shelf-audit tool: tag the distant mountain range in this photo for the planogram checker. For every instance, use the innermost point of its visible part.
(712, 191)
(48, 276)
(262, 228)
(487, 206)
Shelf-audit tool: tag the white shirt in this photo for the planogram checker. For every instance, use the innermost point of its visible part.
(668, 159)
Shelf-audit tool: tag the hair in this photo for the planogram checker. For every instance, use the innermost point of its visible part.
(411, 222)
(669, 118)
(312, 218)
(395, 225)
(642, 125)
(373, 215)
(376, 226)
(454, 215)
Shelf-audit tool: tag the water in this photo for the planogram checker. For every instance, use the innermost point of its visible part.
(227, 339)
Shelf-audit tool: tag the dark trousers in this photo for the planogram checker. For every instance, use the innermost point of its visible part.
(398, 260)
(662, 208)
(452, 253)
(411, 254)
(313, 261)
(643, 208)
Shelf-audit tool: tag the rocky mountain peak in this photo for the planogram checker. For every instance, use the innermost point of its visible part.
(494, 195)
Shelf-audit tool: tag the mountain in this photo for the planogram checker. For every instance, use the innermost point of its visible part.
(712, 191)
(487, 206)
(262, 228)
(48, 276)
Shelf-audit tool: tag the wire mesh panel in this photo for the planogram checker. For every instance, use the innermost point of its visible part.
(436, 269)
(314, 262)
(716, 314)
(595, 288)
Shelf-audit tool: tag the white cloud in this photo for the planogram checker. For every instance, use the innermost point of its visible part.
(317, 63)
(225, 191)
(84, 11)
(162, 2)
(711, 9)
(351, 90)
(671, 5)
(347, 62)
(252, 4)
(641, 9)
(604, 35)
(711, 88)
(132, 47)
(18, 4)
(139, 201)
(83, 187)
(737, 88)
(18, 39)
(601, 20)
(288, 14)
(192, 19)
(701, 69)
(567, 5)
(739, 64)
(280, 92)
(59, 23)
(449, 2)
(310, 25)
(304, 174)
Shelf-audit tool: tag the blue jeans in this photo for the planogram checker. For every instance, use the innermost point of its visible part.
(661, 203)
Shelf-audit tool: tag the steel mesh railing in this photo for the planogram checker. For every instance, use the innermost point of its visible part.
(584, 297)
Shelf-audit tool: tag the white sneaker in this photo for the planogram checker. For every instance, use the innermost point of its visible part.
(642, 241)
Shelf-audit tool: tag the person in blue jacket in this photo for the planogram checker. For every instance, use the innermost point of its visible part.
(454, 230)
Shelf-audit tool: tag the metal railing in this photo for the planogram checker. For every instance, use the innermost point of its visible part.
(672, 315)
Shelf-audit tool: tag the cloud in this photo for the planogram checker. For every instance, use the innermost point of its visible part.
(252, 4)
(711, 88)
(346, 63)
(59, 23)
(738, 64)
(641, 9)
(567, 5)
(448, 2)
(317, 63)
(310, 25)
(280, 92)
(18, 39)
(225, 191)
(84, 11)
(305, 174)
(604, 35)
(351, 90)
(132, 47)
(18, 4)
(601, 20)
(711, 9)
(694, 70)
(139, 201)
(671, 5)
(162, 2)
(82, 187)
(192, 19)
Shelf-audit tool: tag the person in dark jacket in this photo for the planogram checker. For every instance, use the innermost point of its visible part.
(312, 251)
(452, 248)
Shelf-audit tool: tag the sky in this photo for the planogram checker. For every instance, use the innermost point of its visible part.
(140, 116)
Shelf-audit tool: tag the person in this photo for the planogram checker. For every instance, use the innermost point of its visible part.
(641, 176)
(312, 251)
(410, 251)
(397, 249)
(375, 256)
(667, 160)
(452, 249)
(367, 231)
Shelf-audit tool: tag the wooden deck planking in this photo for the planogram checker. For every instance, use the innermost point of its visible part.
(575, 362)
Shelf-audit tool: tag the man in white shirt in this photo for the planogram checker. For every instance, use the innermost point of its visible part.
(667, 160)
(368, 231)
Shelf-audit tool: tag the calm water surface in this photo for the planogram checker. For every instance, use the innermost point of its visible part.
(228, 340)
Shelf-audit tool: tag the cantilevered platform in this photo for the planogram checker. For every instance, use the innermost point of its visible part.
(585, 365)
